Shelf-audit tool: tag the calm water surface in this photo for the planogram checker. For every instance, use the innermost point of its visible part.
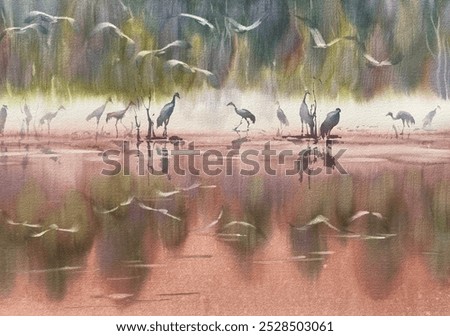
(74, 241)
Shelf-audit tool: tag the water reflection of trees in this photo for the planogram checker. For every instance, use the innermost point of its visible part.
(413, 202)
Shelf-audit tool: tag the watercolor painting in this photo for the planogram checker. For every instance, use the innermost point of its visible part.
(235, 157)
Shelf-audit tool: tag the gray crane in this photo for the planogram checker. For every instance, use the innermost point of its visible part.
(28, 117)
(97, 113)
(166, 112)
(3, 115)
(405, 117)
(118, 115)
(281, 117)
(244, 114)
(429, 117)
(36, 27)
(48, 117)
(305, 116)
(330, 121)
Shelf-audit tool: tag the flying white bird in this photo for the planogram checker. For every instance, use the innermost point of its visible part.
(36, 16)
(199, 19)
(37, 27)
(239, 28)
(375, 63)
(171, 64)
(317, 36)
(108, 26)
(178, 44)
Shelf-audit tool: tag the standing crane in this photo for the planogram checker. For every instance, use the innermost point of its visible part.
(429, 117)
(330, 121)
(244, 114)
(405, 117)
(28, 117)
(281, 117)
(305, 116)
(3, 115)
(97, 113)
(118, 115)
(166, 112)
(48, 117)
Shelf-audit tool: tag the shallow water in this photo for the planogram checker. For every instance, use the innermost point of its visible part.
(225, 244)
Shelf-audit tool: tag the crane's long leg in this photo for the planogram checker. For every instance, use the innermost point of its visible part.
(248, 124)
(117, 130)
(302, 126)
(48, 128)
(165, 129)
(403, 127)
(242, 119)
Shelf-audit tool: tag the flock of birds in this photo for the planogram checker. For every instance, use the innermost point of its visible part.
(307, 117)
(41, 23)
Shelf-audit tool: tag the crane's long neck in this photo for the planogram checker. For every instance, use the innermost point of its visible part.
(128, 107)
(173, 100)
(304, 97)
(392, 116)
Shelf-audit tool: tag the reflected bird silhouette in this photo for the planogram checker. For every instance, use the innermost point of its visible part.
(213, 223)
(318, 220)
(179, 190)
(55, 227)
(165, 212)
(25, 224)
(362, 213)
(233, 223)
